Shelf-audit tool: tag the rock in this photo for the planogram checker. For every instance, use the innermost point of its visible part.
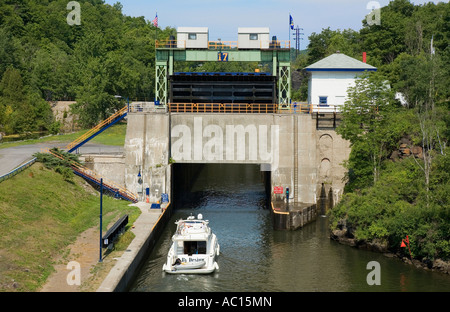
(342, 237)
(406, 260)
(395, 156)
(417, 151)
(378, 245)
(441, 266)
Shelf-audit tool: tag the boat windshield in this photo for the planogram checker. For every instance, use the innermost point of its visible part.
(186, 227)
(195, 247)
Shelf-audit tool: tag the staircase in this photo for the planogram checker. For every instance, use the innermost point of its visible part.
(94, 177)
(105, 124)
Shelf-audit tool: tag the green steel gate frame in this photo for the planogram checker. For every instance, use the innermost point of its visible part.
(280, 58)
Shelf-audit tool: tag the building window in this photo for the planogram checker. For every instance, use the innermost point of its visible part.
(195, 247)
(253, 36)
(323, 101)
(192, 36)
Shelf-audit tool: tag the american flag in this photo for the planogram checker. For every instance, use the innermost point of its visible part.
(155, 21)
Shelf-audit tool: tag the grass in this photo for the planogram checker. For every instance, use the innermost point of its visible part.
(115, 136)
(40, 215)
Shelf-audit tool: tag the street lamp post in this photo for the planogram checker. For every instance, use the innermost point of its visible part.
(101, 217)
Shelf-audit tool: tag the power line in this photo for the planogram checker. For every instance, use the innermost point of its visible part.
(297, 39)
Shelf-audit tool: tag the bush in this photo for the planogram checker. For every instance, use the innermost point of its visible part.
(397, 206)
(61, 166)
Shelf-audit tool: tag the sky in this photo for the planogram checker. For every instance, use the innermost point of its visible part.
(223, 17)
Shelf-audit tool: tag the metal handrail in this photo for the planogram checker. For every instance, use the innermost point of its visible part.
(217, 45)
(146, 107)
(276, 44)
(310, 108)
(237, 108)
(97, 128)
(252, 108)
(93, 175)
(17, 170)
(170, 44)
(277, 211)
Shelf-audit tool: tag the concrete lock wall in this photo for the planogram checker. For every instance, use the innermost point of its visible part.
(110, 167)
(332, 151)
(147, 155)
(267, 139)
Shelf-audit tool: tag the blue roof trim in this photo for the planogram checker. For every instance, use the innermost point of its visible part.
(341, 69)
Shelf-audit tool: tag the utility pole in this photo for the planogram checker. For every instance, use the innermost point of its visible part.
(101, 219)
(297, 39)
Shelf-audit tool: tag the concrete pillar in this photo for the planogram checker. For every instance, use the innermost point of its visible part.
(147, 150)
(307, 163)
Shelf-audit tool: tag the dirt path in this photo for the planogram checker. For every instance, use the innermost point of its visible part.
(85, 251)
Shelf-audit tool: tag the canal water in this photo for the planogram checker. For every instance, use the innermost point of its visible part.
(255, 258)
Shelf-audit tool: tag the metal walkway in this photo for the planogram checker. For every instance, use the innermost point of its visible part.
(105, 124)
(94, 177)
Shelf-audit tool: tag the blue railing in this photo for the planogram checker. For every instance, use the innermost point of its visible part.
(17, 170)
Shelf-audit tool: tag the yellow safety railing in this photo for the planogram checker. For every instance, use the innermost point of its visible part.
(277, 211)
(296, 109)
(251, 108)
(171, 44)
(215, 45)
(237, 108)
(276, 44)
(97, 128)
(92, 174)
(309, 109)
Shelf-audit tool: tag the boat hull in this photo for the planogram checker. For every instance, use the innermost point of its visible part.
(190, 269)
(194, 248)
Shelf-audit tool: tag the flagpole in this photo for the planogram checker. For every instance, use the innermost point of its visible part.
(289, 29)
(289, 36)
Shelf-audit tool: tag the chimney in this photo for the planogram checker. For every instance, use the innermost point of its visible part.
(364, 57)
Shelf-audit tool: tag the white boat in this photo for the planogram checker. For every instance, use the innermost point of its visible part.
(194, 248)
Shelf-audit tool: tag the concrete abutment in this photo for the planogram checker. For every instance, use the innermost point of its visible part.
(298, 156)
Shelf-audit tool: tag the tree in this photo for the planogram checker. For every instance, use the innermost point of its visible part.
(12, 101)
(366, 123)
(423, 90)
(329, 41)
(384, 42)
(50, 72)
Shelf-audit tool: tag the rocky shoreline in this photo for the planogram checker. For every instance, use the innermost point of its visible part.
(344, 236)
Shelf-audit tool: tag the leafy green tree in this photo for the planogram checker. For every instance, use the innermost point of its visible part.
(50, 73)
(329, 41)
(366, 123)
(423, 92)
(318, 45)
(386, 41)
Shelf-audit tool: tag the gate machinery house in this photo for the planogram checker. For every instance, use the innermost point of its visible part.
(229, 89)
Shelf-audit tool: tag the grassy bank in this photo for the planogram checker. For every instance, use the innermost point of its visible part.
(40, 215)
(113, 136)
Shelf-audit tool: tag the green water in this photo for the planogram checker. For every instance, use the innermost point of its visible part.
(255, 258)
